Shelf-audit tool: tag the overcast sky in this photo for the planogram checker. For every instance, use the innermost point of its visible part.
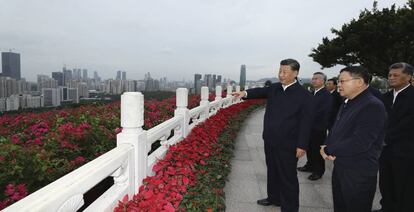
(169, 38)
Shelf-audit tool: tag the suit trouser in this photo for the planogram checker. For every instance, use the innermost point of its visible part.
(282, 180)
(396, 182)
(353, 190)
(315, 160)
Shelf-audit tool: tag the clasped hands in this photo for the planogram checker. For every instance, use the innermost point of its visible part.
(324, 155)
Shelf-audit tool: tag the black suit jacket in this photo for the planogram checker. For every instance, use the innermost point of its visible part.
(288, 117)
(322, 107)
(399, 134)
(337, 101)
(357, 136)
(376, 92)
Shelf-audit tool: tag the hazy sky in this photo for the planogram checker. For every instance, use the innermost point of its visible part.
(171, 38)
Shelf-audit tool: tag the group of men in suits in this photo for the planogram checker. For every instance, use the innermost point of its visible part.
(296, 122)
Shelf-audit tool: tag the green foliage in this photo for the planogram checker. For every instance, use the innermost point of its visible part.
(377, 39)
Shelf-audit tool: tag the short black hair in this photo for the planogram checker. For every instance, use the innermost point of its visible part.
(358, 71)
(406, 68)
(294, 64)
(334, 80)
(321, 73)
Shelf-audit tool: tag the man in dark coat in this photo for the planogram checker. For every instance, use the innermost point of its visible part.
(396, 161)
(331, 86)
(355, 142)
(322, 106)
(287, 124)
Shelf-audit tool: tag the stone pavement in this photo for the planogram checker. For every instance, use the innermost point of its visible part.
(247, 180)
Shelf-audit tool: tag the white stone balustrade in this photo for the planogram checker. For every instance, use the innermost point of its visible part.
(129, 163)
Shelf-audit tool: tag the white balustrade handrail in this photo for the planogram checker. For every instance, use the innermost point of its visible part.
(163, 129)
(129, 163)
(75, 184)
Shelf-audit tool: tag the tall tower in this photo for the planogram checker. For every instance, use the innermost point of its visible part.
(11, 65)
(197, 83)
(242, 76)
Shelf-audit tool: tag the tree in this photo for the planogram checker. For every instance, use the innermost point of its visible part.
(375, 40)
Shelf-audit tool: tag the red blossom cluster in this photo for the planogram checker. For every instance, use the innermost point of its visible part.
(13, 193)
(178, 170)
(38, 148)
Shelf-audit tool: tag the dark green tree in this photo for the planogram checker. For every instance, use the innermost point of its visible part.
(375, 40)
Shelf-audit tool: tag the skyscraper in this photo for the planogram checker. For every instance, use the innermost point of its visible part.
(59, 77)
(67, 76)
(11, 65)
(85, 74)
(123, 75)
(242, 76)
(118, 75)
(197, 83)
(219, 79)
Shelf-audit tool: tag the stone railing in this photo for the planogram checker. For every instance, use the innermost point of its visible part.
(128, 163)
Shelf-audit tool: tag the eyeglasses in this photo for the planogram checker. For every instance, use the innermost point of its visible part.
(343, 81)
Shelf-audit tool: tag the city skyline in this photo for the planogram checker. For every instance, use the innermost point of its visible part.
(183, 37)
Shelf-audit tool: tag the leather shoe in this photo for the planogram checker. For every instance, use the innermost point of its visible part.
(315, 176)
(304, 169)
(266, 202)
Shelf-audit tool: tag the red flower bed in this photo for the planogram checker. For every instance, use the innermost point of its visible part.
(38, 148)
(178, 170)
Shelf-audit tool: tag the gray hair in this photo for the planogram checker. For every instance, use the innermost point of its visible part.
(406, 68)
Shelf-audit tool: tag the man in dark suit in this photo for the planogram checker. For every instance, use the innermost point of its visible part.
(396, 179)
(355, 142)
(331, 86)
(321, 109)
(286, 131)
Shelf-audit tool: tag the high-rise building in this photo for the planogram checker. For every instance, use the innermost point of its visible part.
(58, 76)
(218, 80)
(11, 65)
(197, 83)
(73, 95)
(67, 76)
(118, 75)
(51, 97)
(208, 80)
(85, 74)
(8, 87)
(96, 76)
(242, 76)
(123, 75)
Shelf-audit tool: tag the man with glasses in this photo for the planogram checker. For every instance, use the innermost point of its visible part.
(396, 161)
(286, 130)
(355, 142)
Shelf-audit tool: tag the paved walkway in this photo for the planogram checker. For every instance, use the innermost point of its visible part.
(247, 180)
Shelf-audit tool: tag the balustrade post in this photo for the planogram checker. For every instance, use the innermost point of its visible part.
(218, 95)
(132, 121)
(182, 110)
(205, 103)
(229, 96)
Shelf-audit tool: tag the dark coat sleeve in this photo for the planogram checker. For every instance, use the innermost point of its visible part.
(306, 122)
(257, 93)
(368, 126)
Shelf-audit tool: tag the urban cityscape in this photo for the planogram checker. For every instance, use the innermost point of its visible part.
(73, 85)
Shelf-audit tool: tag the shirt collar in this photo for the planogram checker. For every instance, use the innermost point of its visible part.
(286, 86)
(397, 92)
(318, 90)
